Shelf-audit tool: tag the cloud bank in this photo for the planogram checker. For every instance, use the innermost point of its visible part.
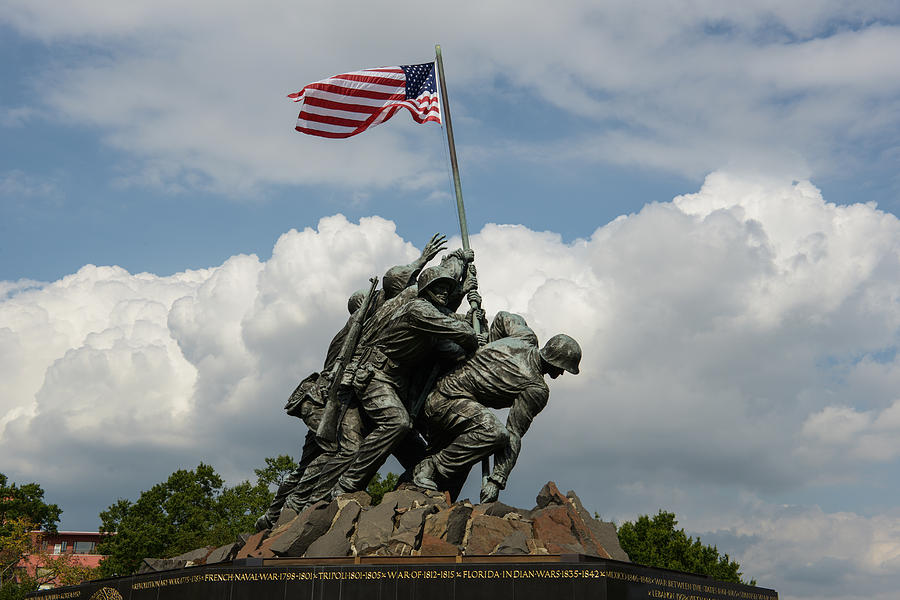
(739, 351)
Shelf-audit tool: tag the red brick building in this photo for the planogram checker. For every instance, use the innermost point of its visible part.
(81, 545)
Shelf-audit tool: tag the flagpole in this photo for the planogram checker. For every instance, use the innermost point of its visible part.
(445, 104)
(460, 207)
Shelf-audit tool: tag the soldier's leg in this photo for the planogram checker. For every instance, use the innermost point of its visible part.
(324, 473)
(409, 452)
(467, 430)
(391, 424)
(325, 470)
(310, 452)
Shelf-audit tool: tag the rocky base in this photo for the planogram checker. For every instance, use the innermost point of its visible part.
(415, 522)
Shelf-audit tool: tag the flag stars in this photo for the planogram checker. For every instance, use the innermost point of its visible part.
(419, 79)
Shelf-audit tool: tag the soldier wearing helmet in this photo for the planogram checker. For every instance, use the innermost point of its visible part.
(508, 372)
(314, 466)
(400, 340)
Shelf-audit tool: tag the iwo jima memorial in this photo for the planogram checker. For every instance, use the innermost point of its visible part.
(408, 376)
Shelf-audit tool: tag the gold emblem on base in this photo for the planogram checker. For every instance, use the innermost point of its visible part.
(106, 593)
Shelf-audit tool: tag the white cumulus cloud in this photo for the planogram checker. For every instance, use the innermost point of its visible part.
(739, 348)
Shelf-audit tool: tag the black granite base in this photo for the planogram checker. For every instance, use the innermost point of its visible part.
(414, 578)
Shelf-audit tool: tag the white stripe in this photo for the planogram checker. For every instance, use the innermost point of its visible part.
(324, 126)
(382, 116)
(371, 72)
(336, 97)
(330, 112)
(398, 75)
(419, 111)
(363, 85)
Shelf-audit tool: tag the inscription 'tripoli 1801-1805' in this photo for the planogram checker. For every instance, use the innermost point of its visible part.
(651, 583)
(612, 580)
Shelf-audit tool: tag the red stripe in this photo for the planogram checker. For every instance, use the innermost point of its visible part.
(336, 135)
(348, 122)
(422, 110)
(327, 134)
(426, 101)
(390, 113)
(417, 117)
(331, 104)
(371, 79)
(330, 120)
(361, 93)
(385, 70)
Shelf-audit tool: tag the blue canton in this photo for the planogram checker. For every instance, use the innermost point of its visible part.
(419, 79)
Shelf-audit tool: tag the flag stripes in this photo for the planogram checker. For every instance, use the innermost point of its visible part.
(347, 104)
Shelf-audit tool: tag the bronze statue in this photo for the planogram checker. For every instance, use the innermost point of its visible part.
(308, 400)
(405, 351)
(403, 336)
(506, 373)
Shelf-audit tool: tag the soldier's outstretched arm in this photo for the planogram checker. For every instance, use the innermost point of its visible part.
(525, 407)
(426, 318)
(436, 245)
(396, 279)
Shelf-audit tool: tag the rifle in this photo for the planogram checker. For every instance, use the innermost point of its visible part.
(327, 432)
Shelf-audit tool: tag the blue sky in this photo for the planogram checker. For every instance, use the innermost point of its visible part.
(704, 194)
(73, 190)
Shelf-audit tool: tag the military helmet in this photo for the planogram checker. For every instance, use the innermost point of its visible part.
(562, 352)
(432, 274)
(356, 300)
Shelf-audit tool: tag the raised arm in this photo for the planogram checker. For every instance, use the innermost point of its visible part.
(396, 279)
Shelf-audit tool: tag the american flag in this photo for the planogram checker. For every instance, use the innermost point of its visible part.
(350, 103)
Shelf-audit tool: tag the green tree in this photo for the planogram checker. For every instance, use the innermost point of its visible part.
(275, 471)
(189, 510)
(22, 510)
(238, 508)
(14, 590)
(26, 501)
(16, 542)
(656, 543)
(379, 486)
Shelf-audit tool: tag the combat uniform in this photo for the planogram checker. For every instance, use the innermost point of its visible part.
(398, 340)
(505, 373)
(315, 478)
(301, 484)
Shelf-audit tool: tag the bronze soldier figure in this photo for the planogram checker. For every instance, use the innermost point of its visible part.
(322, 475)
(509, 373)
(402, 338)
(309, 401)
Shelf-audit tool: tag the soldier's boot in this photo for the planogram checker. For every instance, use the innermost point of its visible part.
(424, 474)
(264, 522)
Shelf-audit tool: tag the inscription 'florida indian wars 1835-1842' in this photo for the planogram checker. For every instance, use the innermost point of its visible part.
(408, 376)
(596, 578)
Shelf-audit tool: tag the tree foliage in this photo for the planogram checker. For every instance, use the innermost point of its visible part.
(15, 543)
(26, 501)
(22, 510)
(275, 471)
(189, 510)
(656, 543)
(62, 569)
(379, 486)
(14, 590)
